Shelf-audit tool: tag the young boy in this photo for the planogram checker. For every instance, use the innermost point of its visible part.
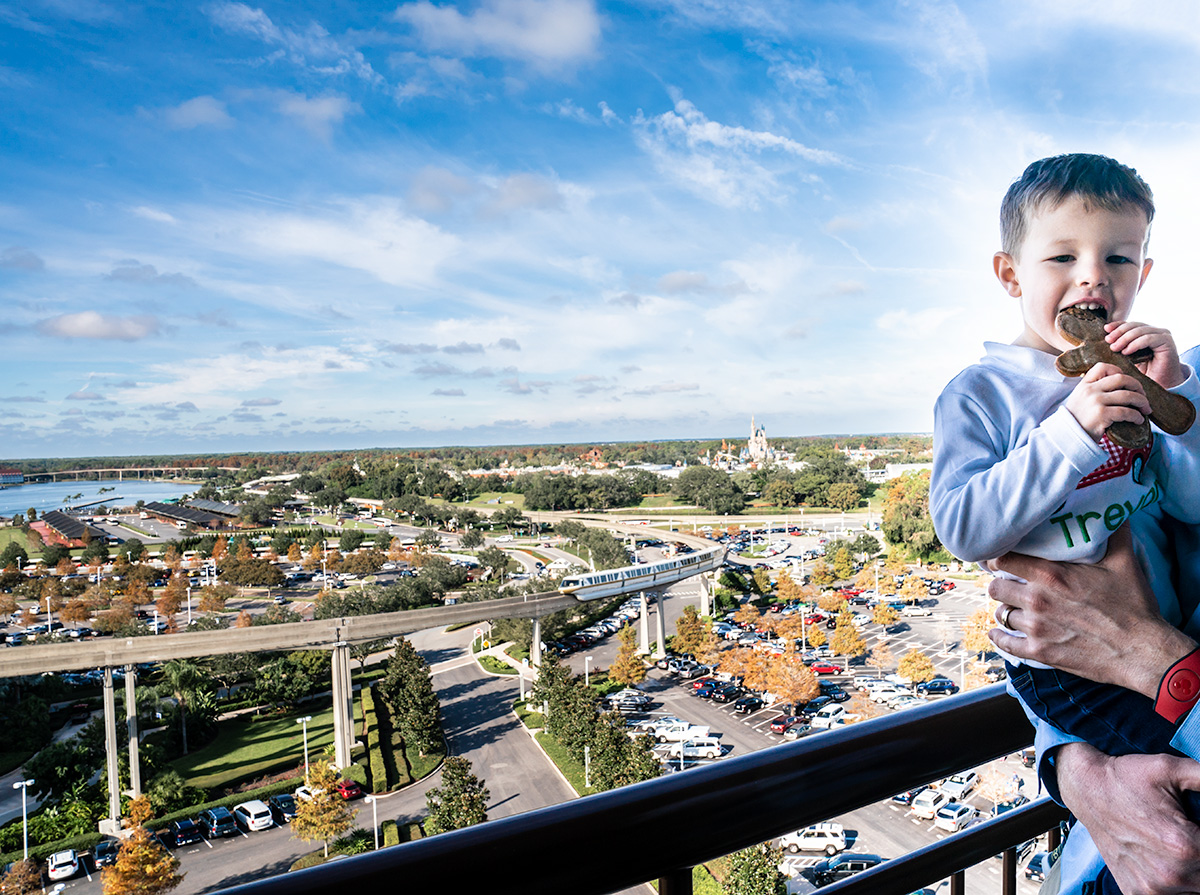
(1021, 458)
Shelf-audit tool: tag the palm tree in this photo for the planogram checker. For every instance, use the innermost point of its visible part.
(182, 678)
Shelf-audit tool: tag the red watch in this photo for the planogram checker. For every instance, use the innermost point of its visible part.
(1179, 688)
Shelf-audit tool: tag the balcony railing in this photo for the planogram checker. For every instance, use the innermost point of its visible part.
(662, 828)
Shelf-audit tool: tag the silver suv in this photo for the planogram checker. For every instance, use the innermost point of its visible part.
(827, 837)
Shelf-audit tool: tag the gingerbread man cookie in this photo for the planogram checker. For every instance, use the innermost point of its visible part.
(1172, 413)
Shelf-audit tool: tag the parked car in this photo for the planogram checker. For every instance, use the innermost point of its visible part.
(62, 864)
(915, 611)
(700, 747)
(841, 866)
(783, 722)
(833, 691)
(179, 833)
(825, 668)
(952, 817)
(928, 803)
(938, 686)
(104, 854)
(906, 797)
(958, 786)
(748, 704)
(828, 837)
(727, 693)
(1009, 804)
(797, 730)
(349, 789)
(216, 822)
(283, 808)
(305, 793)
(829, 715)
(1039, 866)
(253, 815)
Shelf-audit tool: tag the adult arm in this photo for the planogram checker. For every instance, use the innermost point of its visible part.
(1130, 806)
(1100, 621)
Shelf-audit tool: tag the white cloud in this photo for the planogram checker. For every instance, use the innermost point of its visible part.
(201, 111)
(374, 235)
(549, 33)
(92, 325)
(317, 115)
(153, 214)
(720, 162)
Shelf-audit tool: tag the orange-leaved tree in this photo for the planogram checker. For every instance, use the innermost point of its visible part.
(143, 866)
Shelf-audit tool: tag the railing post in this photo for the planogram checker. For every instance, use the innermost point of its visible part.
(1054, 837)
(1008, 873)
(958, 883)
(677, 882)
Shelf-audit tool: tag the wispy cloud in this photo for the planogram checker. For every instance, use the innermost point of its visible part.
(93, 325)
(200, 111)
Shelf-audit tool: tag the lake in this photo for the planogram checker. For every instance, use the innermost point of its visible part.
(44, 496)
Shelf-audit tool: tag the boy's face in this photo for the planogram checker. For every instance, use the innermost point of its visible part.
(1075, 254)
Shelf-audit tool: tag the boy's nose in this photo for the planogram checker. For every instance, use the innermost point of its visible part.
(1090, 273)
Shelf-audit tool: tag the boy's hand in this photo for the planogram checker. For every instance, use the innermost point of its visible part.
(1128, 337)
(1104, 396)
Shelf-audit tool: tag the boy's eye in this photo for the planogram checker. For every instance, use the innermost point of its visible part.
(1063, 259)
(1118, 259)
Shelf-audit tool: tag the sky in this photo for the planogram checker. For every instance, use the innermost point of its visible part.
(232, 226)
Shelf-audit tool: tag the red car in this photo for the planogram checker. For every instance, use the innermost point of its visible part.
(701, 681)
(348, 789)
(783, 722)
(825, 668)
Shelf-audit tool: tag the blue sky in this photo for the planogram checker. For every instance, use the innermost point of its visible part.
(230, 226)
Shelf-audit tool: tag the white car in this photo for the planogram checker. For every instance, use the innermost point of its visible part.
(906, 702)
(929, 802)
(63, 864)
(253, 816)
(958, 786)
(886, 693)
(828, 716)
(700, 747)
(914, 611)
(953, 817)
(828, 837)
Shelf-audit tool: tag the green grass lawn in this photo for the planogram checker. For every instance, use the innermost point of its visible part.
(8, 535)
(248, 749)
(655, 501)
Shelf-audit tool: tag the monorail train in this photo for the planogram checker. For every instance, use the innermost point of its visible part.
(611, 582)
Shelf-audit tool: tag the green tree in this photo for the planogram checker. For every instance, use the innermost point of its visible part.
(183, 678)
(843, 564)
(755, 871)
(689, 631)
(627, 668)
(326, 815)
(471, 539)
(408, 689)
(461, 800)
(843, 496)
(822, 575)
(906, 522)
(351, 540)
(495, 561)
(709, 488)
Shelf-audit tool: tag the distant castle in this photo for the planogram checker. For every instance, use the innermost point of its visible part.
(757, 449)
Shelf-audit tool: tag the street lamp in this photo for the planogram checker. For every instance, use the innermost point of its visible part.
(304, 721)
(374, 818)
(189, 605)
(587, 662)
(23, 785)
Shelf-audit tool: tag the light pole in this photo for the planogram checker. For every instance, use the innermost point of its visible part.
(587, 663)
(304, 721)
(189, 605)
(23, 785)
(375, 817)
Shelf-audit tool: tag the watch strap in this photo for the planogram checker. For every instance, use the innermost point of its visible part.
(1179, 688)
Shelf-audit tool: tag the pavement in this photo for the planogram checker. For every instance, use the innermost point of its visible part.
(10, 796)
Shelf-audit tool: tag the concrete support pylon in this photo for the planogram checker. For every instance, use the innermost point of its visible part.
(535, 643)
(644, 625)
(110, 749)
(705, 594)
(343, 705)
(131, 725)
(660, 626)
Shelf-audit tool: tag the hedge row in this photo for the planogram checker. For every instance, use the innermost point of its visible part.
(391, 834)
(377, 770)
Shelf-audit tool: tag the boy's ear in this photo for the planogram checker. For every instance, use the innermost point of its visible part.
(1146, 265)
(1006, 272)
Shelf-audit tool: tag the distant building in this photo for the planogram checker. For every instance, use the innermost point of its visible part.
(757, 450)
(67, 531)
(10, 476)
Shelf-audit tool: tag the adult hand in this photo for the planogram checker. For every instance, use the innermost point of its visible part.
(1130, 805)
(1100, 622)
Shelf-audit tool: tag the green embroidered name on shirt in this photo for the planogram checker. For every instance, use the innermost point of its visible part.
(1077, 523)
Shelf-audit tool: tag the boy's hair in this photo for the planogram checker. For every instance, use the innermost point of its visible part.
(1048, 183)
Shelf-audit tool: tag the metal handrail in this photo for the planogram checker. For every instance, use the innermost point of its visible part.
(664, 827)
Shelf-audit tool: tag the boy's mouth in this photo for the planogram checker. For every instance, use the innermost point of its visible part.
(1095, 308)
